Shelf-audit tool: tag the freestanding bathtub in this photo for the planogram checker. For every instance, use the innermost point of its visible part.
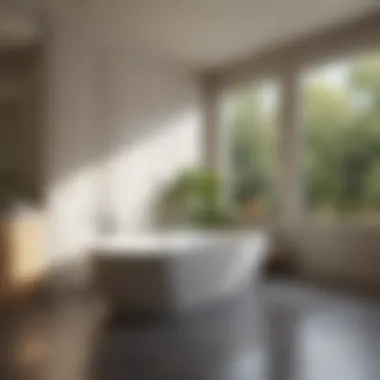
(175, 272)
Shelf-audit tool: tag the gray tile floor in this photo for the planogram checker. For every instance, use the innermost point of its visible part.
(282, 331)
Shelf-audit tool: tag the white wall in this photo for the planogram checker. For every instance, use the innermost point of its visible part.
(69, 169)
(346, 253)
(120, 123)
(151, 134)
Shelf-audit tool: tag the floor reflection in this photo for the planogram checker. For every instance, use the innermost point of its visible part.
(284, 331)
(219, 343)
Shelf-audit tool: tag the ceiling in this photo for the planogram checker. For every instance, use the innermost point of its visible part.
(205, 33)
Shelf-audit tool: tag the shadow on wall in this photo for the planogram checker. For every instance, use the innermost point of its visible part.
(120, 128)
(20, 124)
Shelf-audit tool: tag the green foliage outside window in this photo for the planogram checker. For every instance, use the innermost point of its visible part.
(342, 143)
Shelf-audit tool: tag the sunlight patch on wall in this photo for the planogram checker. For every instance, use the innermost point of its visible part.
(138, 171)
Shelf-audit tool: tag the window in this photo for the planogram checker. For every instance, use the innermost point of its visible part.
(253, 150)
(342, 117)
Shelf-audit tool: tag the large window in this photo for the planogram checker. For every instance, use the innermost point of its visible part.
(340, 156)
(253, 150)
(342, 115)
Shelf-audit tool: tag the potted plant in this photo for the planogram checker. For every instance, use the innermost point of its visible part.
(195, 198)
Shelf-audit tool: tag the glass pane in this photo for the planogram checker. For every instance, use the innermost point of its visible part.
(253, 150)
(342, 116)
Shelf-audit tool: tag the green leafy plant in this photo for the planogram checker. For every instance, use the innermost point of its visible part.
(195, 198)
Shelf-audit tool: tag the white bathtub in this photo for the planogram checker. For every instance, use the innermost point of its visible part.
(176, 271)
